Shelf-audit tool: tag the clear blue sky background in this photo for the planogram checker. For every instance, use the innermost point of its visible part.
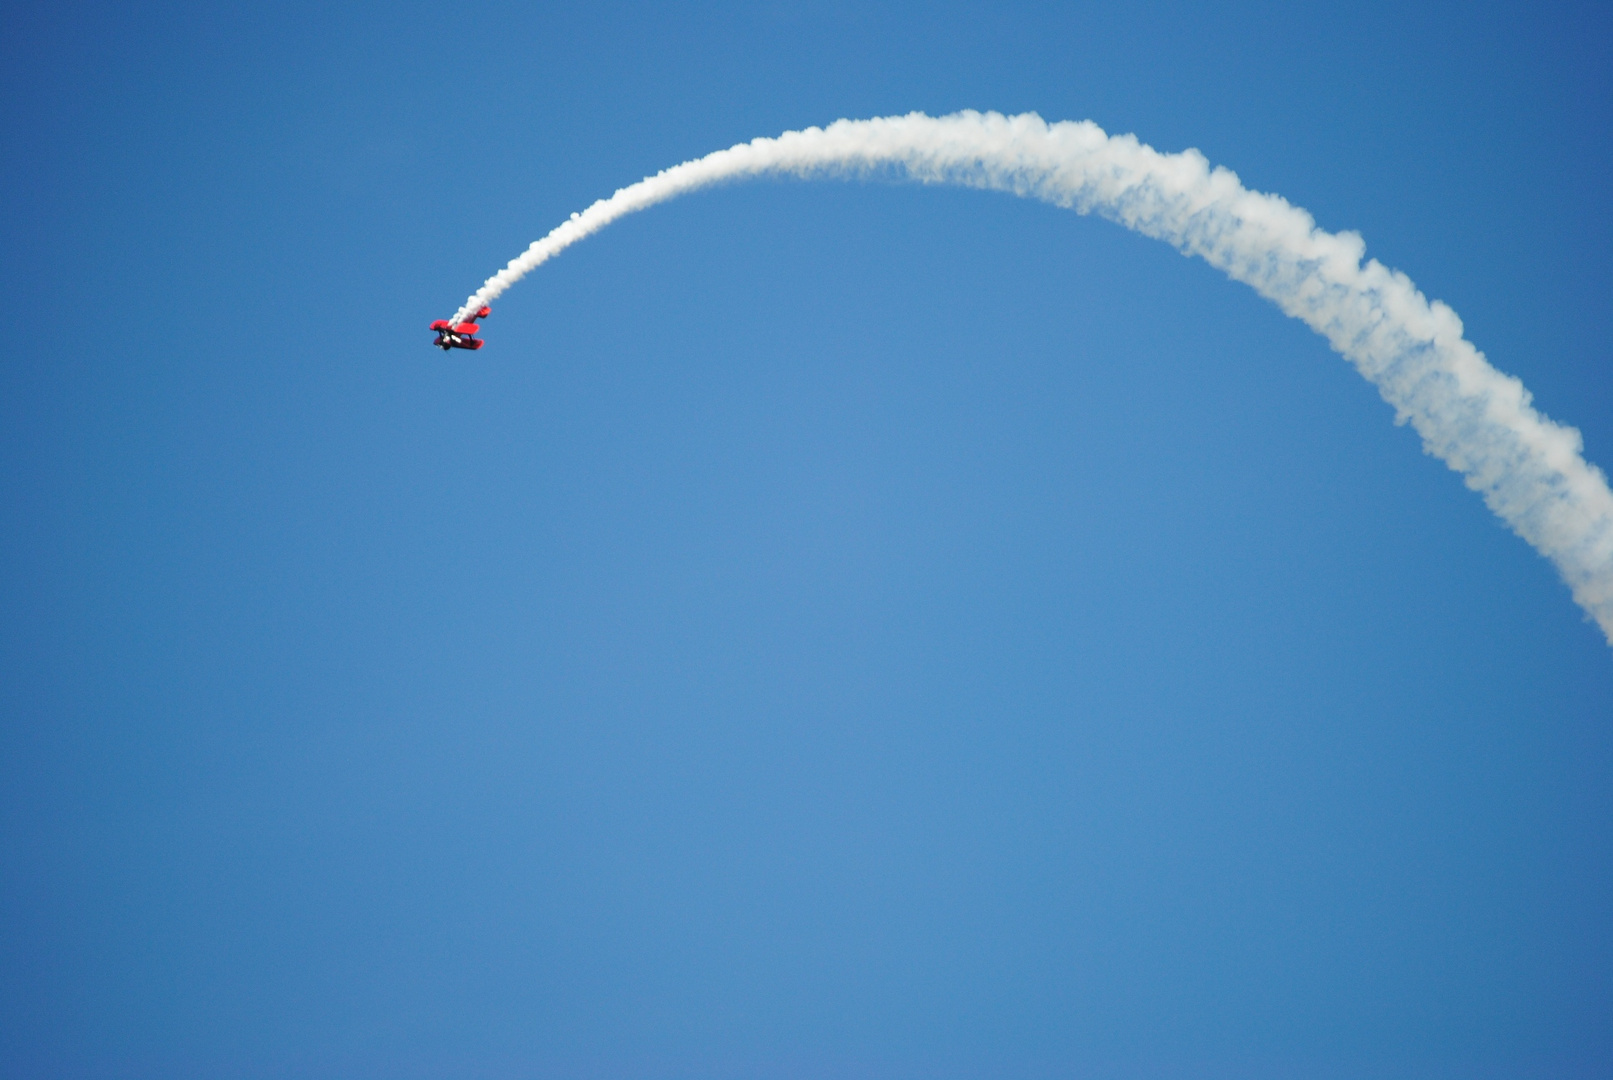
(831, 630)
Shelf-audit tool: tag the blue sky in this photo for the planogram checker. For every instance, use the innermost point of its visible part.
(832, 630)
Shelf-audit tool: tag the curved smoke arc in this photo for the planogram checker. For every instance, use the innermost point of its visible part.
(1478, 420)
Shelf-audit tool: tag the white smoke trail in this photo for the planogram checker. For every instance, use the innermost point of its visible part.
(1476, 419)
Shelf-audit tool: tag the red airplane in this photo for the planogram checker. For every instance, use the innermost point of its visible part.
(460, 335)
